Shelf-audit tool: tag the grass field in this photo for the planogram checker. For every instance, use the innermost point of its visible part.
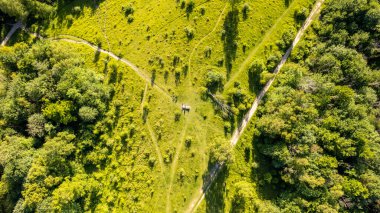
(151, 167)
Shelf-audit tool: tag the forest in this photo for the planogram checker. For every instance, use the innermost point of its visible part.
(91, 120)
(317, 136)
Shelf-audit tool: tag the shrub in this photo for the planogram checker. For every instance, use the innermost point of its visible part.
(60, 112)
(181, 173)
(202, 11)
(227, 127)
(221, 151)
(130, 19)
(188, 142)
(214, 81)
(183, 4)
(128, 10)
(245, 10)
(207, 52)
(176, 60)
(177, 116)
(189, 32)
(152, 162)
(273, 60)
(190, 6)
(301, 14)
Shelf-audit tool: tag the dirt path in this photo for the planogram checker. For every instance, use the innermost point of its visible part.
(11, 32)
(156, 147)
(204, 38)
(239, 131)
(151, 133)
(139, 72)
(174, 165)
(243, 66)
(191, 116)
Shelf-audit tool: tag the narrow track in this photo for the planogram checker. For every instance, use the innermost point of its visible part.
(243, 66)
(214, 171)
(138, 71)
(204, 38)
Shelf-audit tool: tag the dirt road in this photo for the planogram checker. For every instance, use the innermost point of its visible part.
(239, 131)
(11, 32)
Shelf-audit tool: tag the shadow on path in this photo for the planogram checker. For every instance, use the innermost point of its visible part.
(215, 196)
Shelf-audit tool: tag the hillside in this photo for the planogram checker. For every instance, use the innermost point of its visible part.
(92, 114)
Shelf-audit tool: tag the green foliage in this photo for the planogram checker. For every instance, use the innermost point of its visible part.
(60, 112)
(214, 81)
(245, 10)
(22, 9)
(36, 125)
(128, 10)
(88, 114)
(189, 32)
(221, 151)
(243, 197)
(47, 90)
(317, 126)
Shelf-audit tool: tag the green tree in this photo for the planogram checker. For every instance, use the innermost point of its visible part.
(221, 151)
(60, 112)
(36, 125)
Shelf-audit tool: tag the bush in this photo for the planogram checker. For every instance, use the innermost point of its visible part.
(181, 174)
(189, 32)
(188, 142)
(207, 52)
(273, 61)
(214, 81)
(190, 6)
(128, 10)
(301, 14)
(60, 112)
(152, 162)
(221, 151)
(245, 10)
(202, 11)
(177, 116)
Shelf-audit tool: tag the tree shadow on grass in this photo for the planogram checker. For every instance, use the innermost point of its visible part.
(215, 196)
(229, 37)
(65, 9)
(254, 81)
(287, 2)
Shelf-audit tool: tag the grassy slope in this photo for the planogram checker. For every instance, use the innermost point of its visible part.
(128, 176)
(166, 192)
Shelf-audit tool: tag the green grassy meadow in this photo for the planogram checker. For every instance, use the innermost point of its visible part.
(151, 166)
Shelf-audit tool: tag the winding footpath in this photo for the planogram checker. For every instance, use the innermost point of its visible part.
(239, 131)
(204, 38)
(183, 133)
(114, 56)
(11, 32)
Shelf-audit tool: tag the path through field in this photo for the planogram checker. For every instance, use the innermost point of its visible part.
(243, 66)
(204, 38)
(239, 131)
(113, 55)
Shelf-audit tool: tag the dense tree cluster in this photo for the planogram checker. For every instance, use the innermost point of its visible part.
(21, 9)
(49, 104)
(320, 126)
